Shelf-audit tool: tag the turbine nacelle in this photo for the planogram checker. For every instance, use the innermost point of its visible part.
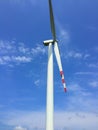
(46, 42)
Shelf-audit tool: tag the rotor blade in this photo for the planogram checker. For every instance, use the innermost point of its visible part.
(58, 58)
(52, 21)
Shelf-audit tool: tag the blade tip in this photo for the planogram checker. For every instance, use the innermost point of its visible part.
(65, 90)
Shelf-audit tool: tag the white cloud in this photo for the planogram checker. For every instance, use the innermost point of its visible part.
(15, 59)
(80, 99)
(79, 112)
(12, 53)
(86, 73)
(5, 59)
(37, 82)
(93, 84)
(64, 36)
(24, 50)
(21, 59)
(7, 47)
(78, 55)
(19, 3)
(73, 54)
(93, 65)
(76, 120)
(71, 120)
(86, 56)
(26, 118)
(19, 128)
(74, 87)
(38, 50)
(1, 62)
(23, 3)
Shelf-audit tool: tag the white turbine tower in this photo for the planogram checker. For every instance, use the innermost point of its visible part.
(50, 89)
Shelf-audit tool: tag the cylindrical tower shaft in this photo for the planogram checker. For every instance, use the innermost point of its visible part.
(50, 93)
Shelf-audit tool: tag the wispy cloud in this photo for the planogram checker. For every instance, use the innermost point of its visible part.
(63, 34)
(86, 73)
(20, 128)
(24, 3)
(79, 98)
(7, 47)
(93, 65)
(17, 53)
(21, 59)
(37, 82)
(63, 119)
(23, 49)
(4, 60)
(93, 84)
(38, 50)
(74, 54)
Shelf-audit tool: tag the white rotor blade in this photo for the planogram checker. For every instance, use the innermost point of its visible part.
(52, 21)
(58, 58)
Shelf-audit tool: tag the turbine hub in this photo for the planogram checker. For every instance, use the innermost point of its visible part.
(46, 42)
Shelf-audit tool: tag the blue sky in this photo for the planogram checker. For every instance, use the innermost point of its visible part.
(24, 25)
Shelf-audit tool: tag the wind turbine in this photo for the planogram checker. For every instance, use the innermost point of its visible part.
(50, 89)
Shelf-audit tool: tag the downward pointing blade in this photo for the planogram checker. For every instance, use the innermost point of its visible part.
(52, 21)
(58, 58)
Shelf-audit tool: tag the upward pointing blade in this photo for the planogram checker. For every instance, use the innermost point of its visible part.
(52, 21)
(58, 58)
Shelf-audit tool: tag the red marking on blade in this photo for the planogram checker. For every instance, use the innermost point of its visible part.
(63, 81)
(65, 90)
(61, 73)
